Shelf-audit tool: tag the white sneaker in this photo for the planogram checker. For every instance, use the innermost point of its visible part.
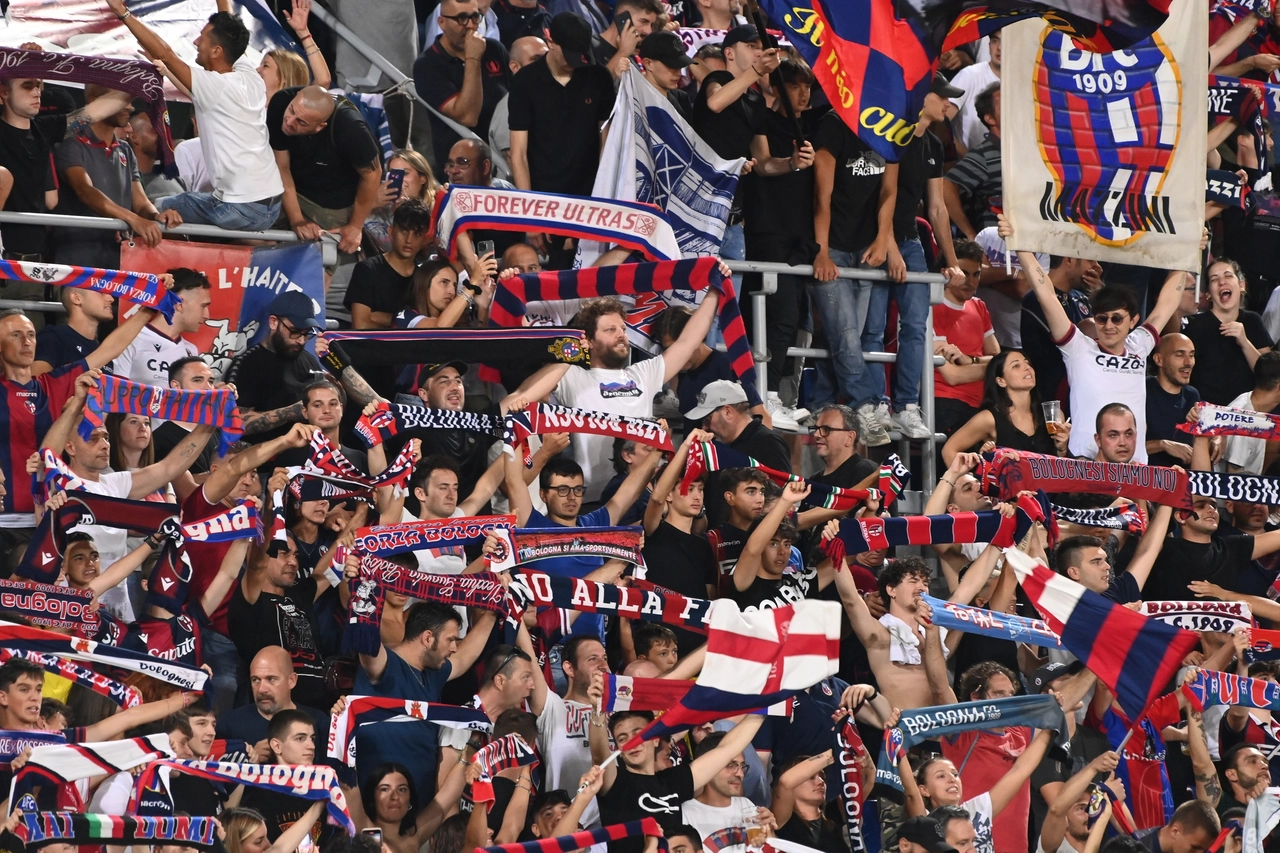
(884, 415)
(871, 431)
(796, 413)
(666, 405)
(910, 423)
(783, 417)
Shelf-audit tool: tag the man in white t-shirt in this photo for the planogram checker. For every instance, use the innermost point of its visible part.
(967, 127)
(230, 101)
(1249, 455)
(564, 740)
(1112, 368)
(160, 343)
(611, 386)
(720, 805)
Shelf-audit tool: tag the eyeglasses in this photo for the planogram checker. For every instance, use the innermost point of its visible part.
(463, 18)
(508, 659)
(1117, 319)
(295, 333)
(459, 163)
(564, 491)
(736, 767)
(824, 431)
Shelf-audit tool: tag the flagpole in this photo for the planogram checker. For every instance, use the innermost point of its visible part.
(613, 756)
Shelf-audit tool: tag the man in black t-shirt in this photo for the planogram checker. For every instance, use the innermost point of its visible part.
(463, 75)
(69, 342)
(1170, 395)
(329, 162)
(26, 152)
(381, 285)
(292, 739)
(1201, 555)
(186, 374)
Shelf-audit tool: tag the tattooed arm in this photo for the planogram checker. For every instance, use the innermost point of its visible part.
(155, 476)
(1208, 787)
(357, 388)
(256, 422)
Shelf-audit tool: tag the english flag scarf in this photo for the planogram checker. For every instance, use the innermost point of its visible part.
(629, 693)
(21, 638)
(1003, 475)
(586, 838)
(988, 623)
(391, 419)
(513, 295)
(383, 540)
(365, 710)
(497, 755)
(50, 606)
(122, 694)
(215, 407)
(715, 456)
(143, 288)
(305, 781)
(1130, 517)
(1221, 420)
(37, 829)
(542, 418)
(63, 764)
(584, 596)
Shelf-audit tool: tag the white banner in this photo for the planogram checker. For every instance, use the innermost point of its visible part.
(1120, 175)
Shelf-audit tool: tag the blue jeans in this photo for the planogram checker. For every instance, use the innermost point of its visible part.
(204, 209)
(842, 305)
(221, 655)
(913, 316)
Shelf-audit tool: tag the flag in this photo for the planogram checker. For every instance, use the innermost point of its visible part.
(755, 659)
(629, 693)
(1131, 654)
(362, 710)
(653, 156)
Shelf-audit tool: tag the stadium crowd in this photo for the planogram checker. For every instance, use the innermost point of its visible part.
(1046, 355)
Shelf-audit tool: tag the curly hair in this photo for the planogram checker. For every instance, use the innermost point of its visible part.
(591, 312)
(975, 679)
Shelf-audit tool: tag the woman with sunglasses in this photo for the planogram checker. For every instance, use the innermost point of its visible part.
(1228, 338)
(1011, 415)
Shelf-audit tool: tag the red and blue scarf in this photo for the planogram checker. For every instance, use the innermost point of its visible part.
(22, 638)
(328, 461)
(1221, 420)
(50, 606)
(649, 605)
(497, 755)
(542, 418)
(121, 694)
(1005, 474)
(647, 827)
(140, 287)
(61, 765)
(383, 540)
(513, 295)
(366, 710)
(37, 829)
(214, 407)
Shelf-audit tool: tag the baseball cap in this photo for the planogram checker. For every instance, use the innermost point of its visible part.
(1047, 674)
(942, 87)
(429, 370)
(926, 832)
(573, 34)
(296, 307)
(667, 48)
(722, 392)
(739, 34)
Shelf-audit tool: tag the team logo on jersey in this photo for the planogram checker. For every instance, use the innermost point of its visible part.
(1107, 125)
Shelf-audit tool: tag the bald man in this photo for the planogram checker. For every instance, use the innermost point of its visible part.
(271, 683)
(329, 163)
(524, 50)
(1169, 397)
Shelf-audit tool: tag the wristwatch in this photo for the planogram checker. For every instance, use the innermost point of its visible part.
(973, 359)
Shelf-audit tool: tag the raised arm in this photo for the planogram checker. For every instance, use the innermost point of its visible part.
(695, 331)
(292, 837)
(1144, 558)
(1054, 314)
(157, 47)
(707, 765)
(320, 75)
(485, 486)
(1009, 785)
(748, 567)
(1208, 787)
(537, 386)
(869, 630)
(518, 500)
(1169, 299)
(472, 645)
(538, 700)
(669, 479)
(1054, 829)
(631, 488)
(117, 724)
(168, 469)
(120, 570)
(784, 798)
(224, 478)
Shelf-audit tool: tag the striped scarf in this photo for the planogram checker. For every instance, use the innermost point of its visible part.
(716, 456)
(366, 710)
(1221, 420)
(629, 693)
(647, 827)
(1005, 475)
(391, 419)
(122, 694)
(584, 596)
(36, 829)
(1130, 518)
(513, 295)
(14, 743)
(327, 460)
(140, 287)
(305, 781)
(988, 623)
(504, 753)
(383, 540)
(1223, 688)
(49, 606)
(214, 407)
(542, 418)
(377, 576)
(850, 752)
(26, 639)
(62, 764)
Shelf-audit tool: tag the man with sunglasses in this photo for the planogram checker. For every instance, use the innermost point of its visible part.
(470, 164)
(463, 75)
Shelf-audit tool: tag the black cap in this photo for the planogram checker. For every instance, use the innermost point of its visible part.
(926, 832)
(666, 47)
(1050, 672)
(739, 34)
(573, 34)
(942, 87)
(429, 370)
(296, 307)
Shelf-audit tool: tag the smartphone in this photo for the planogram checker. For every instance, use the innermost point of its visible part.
(621, 20)
(395, 179)
(484, 247)
(376, 833)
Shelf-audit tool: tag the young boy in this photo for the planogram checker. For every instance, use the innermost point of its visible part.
(291, 737)
(743, 490)
(655, 643)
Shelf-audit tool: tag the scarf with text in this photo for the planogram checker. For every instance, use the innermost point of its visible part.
(327, 460)
(366, 710)
(1222, 616)
(378, 576)
(1221, 420)
(305, 781)
(136, 78)
(57, 477)
(239, 522)
(15, 742)
(50, 606)
(850, 753)
(858, 535)
(213, 407)
(62, 764)
(391, 419)
(717, 456)
(542, 418)
(584, 596)
(383, 540)
(1005, 474)
(37, 829)
(988, 623)
(939, 721)
(513, 295)
(635, 225)
(647, 827)
(1223, 688)
(504, 753)
(22, 638)
(122, 694)
(526, 348)
(1129, 517)
(1236, 487)
(608, 543)
(144, 288)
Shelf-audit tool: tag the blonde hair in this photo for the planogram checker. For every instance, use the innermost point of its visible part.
(290, 67)
(240, 824)
(420, 165)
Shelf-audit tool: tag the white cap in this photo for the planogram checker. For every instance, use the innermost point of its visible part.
(722, 392)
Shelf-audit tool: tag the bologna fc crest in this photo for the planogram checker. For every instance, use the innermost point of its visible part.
(1107, 125)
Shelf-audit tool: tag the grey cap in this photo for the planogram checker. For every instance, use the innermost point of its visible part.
(722, 392)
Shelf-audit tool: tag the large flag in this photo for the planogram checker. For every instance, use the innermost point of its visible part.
(1120, 174)
(756, 659)
(1131, 654)
(652, 155)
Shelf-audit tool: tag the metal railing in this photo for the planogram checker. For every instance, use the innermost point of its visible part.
(769, 272)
